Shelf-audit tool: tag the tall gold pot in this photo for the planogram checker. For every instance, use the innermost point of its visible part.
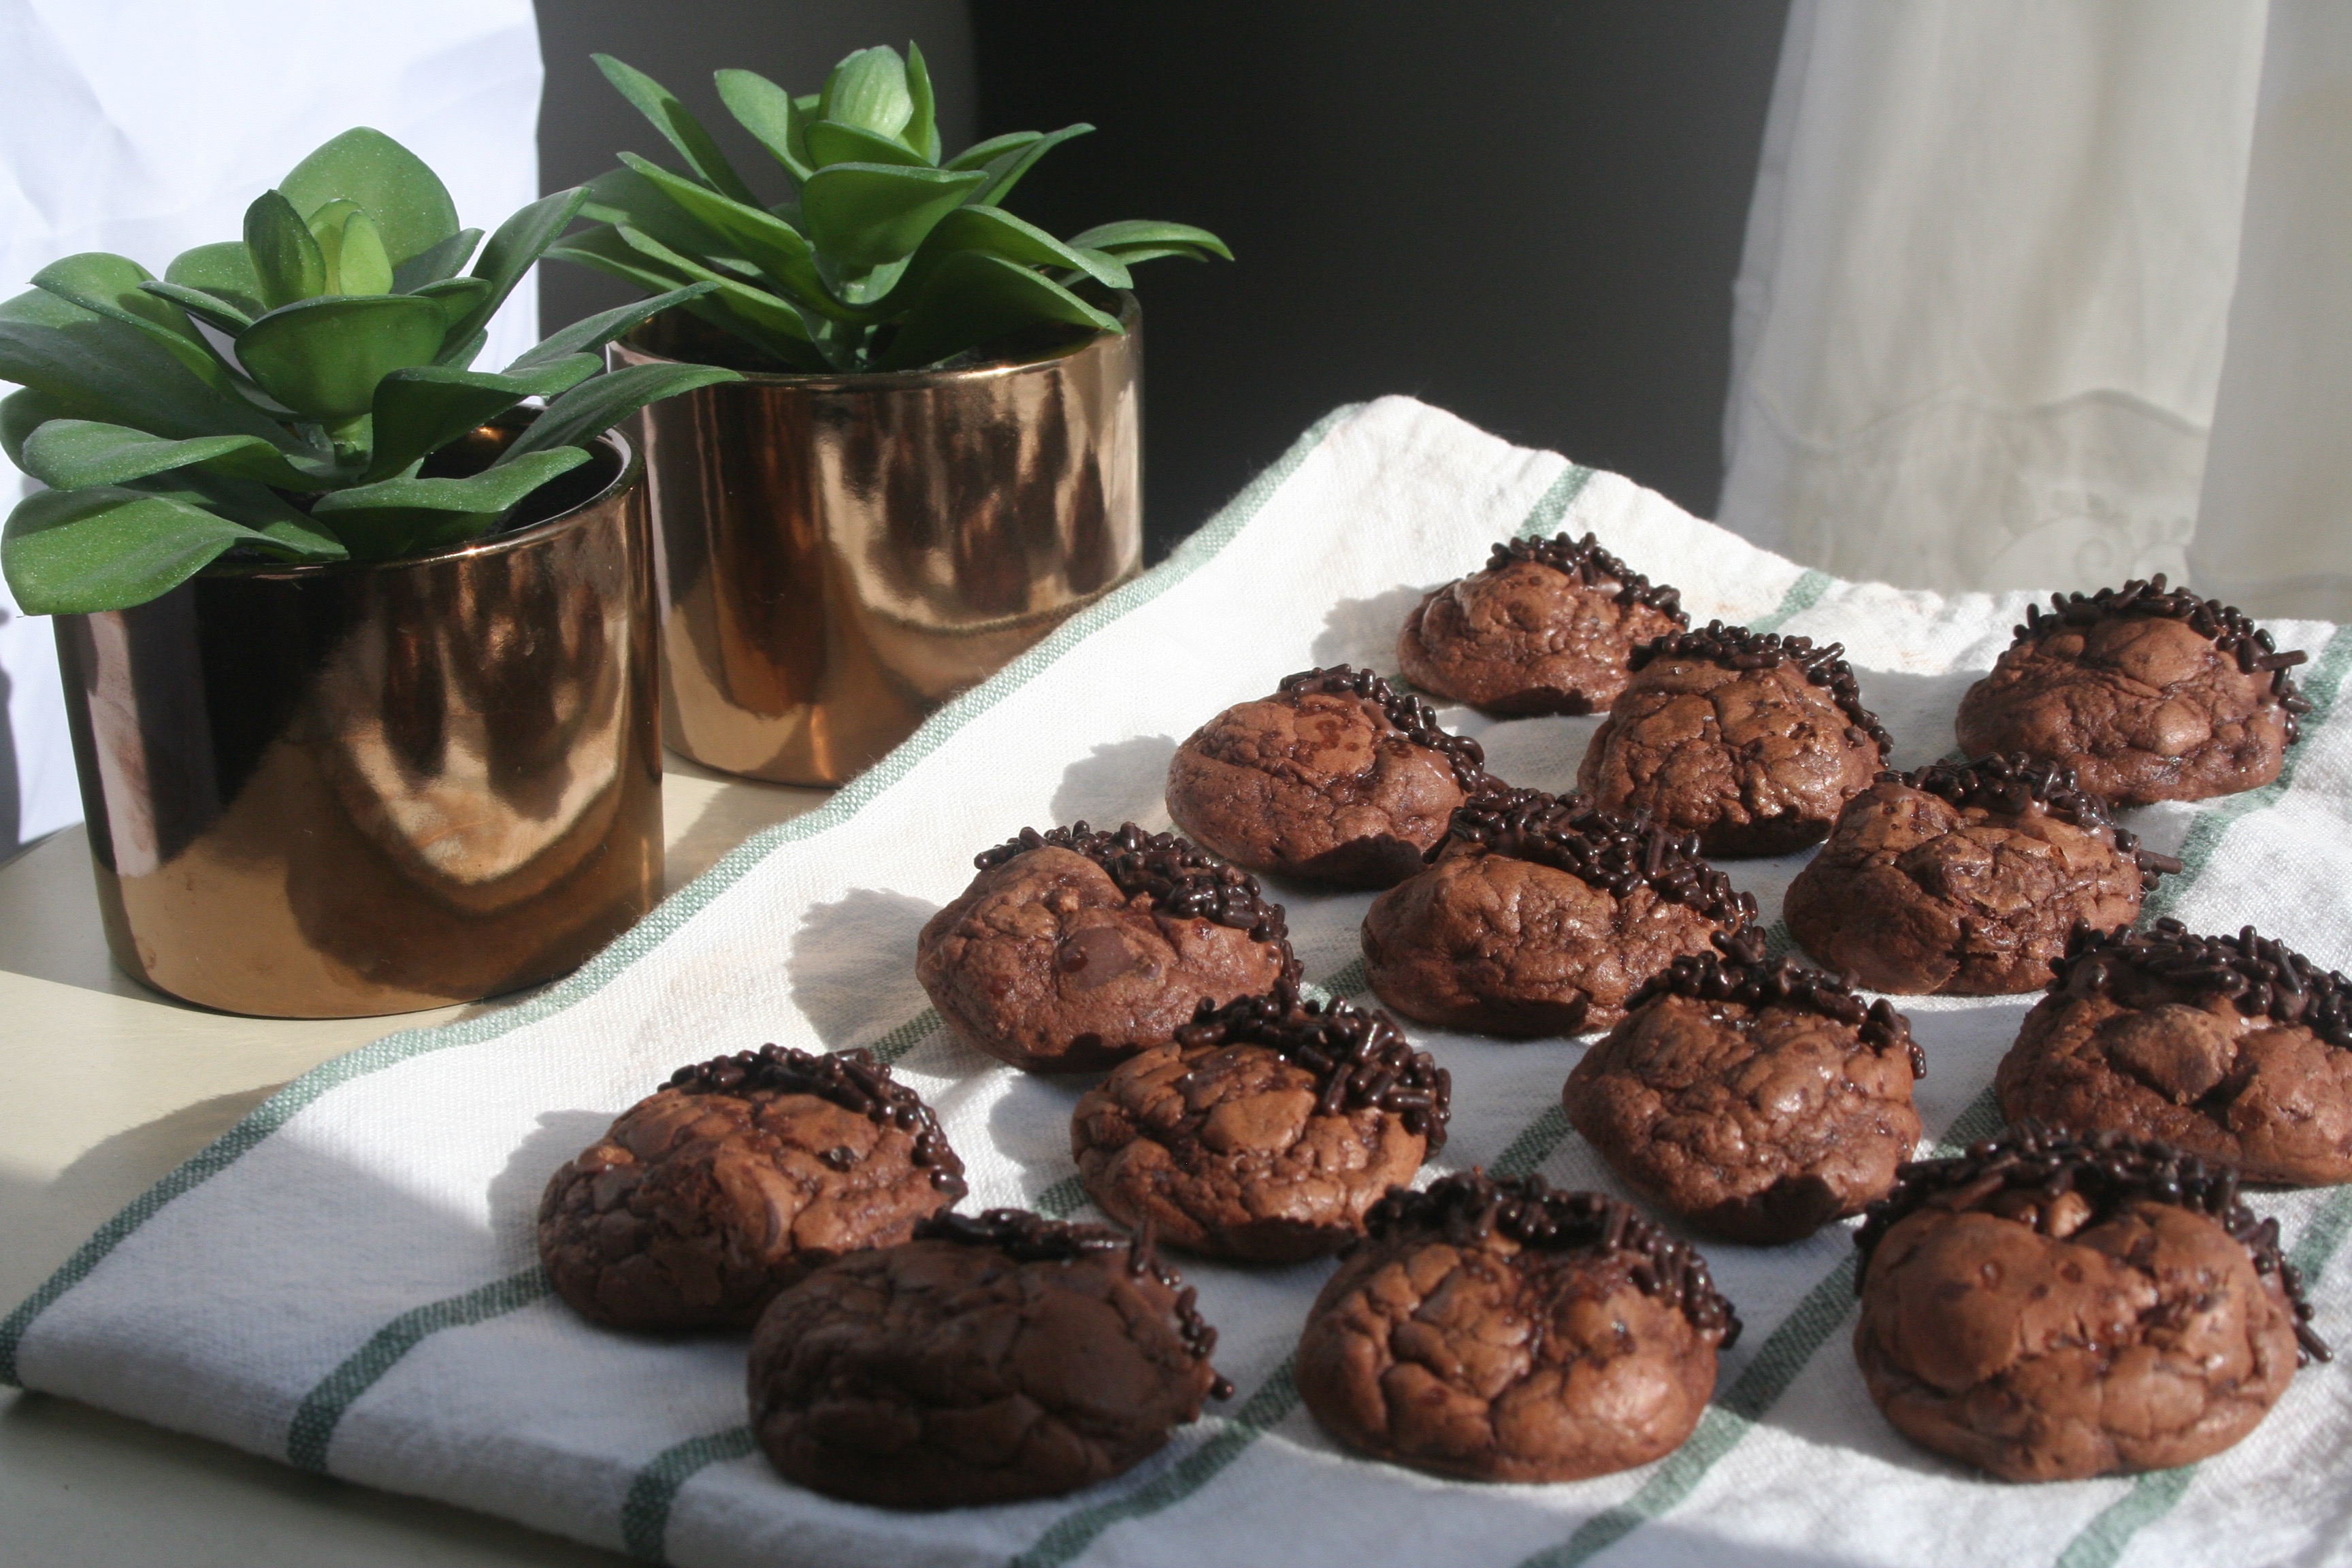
(843, 553)
(343, 790)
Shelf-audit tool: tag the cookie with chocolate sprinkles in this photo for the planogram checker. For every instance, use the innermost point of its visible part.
(2237, 1048)
(1265, 1131)
(1074, 949)
(1546, 627)
(1336, 778)
(1966, 878)
(734, 1180)
(2149, 693)
(1496, 1330)
(1540, 914)
(2051, 1307)
(1751, 740)
(989, 1358)
(1758, 1100)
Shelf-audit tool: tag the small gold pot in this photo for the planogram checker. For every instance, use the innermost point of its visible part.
(333, 791)
(843, 553)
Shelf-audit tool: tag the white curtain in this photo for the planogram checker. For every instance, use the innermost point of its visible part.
(144, 127)
(2006, 284)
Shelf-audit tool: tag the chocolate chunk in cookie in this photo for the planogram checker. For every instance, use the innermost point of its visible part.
(1542, 915)
(1265, 1131)
(1499, 1331)
(1751, 740)
(2235, 1048)
(2049, 1307)
(1072, 949)
(1968, 878)
(989, 1359)
(1757, 1101)
(2149, 693)
(739, 1176)
(1546, 628)
(1336, 778)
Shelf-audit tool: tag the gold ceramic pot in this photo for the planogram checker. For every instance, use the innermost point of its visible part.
(333, 791)
(843, 553)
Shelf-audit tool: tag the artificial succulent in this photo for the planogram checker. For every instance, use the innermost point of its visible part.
(284, 395)
(885, 257)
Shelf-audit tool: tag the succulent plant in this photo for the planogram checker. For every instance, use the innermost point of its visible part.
(885, 257)
(280, 394)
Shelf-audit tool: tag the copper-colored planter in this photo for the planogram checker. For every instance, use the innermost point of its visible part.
(844, 553)
(334, 790)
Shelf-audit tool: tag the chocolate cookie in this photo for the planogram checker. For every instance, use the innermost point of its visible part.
(1967, 879)
(2149, 693)
(2235, 1048)
(738, 1177)
(1758, 1101)
(1499, 1331)
(1541, 916)
(1751, 740)
(1265, 1131)
(1072, 949)
(1546, 627)
(1335, 778)
(2052, 1308)
(987, 1360)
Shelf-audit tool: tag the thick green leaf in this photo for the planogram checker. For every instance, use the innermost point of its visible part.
(777, 317)
(595, 406)
(356, 262)
(1134, 232)
(592, 333)
(776, 247)
(972, 298)
(829, 143)
(1134, 256)
(75, 551)
(109, 286)
(765, 109)
(1004, 171)
(603, 249)
(418, 411)
(73, 454)
(410, 206)
(999, 232)
(323, 357)
(518, 243)
(684, 131)
(863, 214)
(867, 90)
(257, 506)
(624, 196)
(922, 132)
(101, 369)
(493, 491)
(459, 298)
(285, 255)
(22, 412)
(224, 270)
(207, 307)
(980, 154)
(437, 262)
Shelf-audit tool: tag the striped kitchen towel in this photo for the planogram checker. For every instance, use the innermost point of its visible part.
(347, 1281)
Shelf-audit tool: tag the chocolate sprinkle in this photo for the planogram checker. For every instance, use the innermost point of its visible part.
(2260, 975)
(851, 1080)
(1417, 718)
(1613, 853)
(1743, 976)
(1469, 1206)
(2228, 627)
(1181, 880)
(1584, 560)
(2015, 783)
(1027, 1237)
(1737, 647)
(2109, 1170)
(1361, 1058)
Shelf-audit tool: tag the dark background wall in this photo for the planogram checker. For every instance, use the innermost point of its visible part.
(1531, 213)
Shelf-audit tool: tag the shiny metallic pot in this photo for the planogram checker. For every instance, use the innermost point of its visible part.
(841, 554)
(333, 791)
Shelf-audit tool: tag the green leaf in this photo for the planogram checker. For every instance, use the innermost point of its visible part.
(285, 255)
(867, 90)
(73, 454)
(1004, 171)
(765, 109)
(22, 412)
(356, 262)
(1135, 233)
(999, 232)
(410, 206)
(518, 243)
(773, 245)
(436, 262)
(595, 406)
(1133, 256)
(829, 143)
(420, 410)
(972, 298)
(863, 214)
(224, 270)
(980, 154)
(624, 196)
(603, 249)
(100, 369)
(922, 132)
(196, 303)
(109, 286)
(592, 333)
(776, 315)
(323, 357)
(76, 552)
(493, 491)
(684, 131)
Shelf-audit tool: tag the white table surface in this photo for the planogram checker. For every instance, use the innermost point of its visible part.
(107, 1087)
